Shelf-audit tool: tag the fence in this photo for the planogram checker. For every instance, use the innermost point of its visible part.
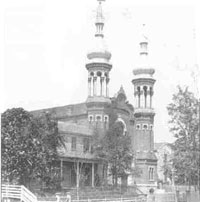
(131, 199)
(17, 192)
(165, 197)
(21, 193)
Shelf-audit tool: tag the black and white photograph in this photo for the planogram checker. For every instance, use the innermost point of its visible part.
(100, 100)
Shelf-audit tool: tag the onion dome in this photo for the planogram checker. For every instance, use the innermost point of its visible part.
(99, 53)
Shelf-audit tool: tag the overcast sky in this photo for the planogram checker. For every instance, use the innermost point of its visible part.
(45, 42)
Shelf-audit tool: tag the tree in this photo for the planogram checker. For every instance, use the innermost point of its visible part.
(29, 146)
(167, 171)
(48, 142)
(183, 113)
(17, 143)
(114, 148)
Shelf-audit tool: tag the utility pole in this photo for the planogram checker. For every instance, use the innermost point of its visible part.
(199, 145)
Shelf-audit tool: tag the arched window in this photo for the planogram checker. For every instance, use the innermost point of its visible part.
(106, 121)
(124, 124)
(151, 94)
(106, 118)
(90, 118)
(145, 127)
(145, 96)
(151, 173)
(98, 118)
(99, 74)
(138, 92)
(138, 127)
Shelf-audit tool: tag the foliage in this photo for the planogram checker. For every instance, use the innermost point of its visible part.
(17, 145)
(167, 171)
(114, 148)
(183, 113)
(28, 146)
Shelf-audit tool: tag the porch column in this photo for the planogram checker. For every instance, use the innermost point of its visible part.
(77, 175)
(61, 168)
(92, 174)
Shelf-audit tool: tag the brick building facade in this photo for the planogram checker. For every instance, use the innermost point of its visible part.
(77, 122)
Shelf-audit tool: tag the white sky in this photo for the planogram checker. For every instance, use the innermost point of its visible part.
(44, 45)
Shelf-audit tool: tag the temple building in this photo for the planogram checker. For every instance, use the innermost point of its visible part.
(77, 122)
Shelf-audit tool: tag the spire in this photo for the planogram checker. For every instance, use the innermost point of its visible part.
(99, 52)
(144, 42)
(99, 20)
(121, 90)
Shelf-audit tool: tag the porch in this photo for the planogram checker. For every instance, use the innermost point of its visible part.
(81, 173)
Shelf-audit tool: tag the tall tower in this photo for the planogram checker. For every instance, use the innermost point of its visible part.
(143, 82)
(98, 67)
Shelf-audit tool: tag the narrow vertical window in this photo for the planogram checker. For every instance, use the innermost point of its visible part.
(145, 96)
(151, 94)
(73, 145)
(106, 121)
(151, 173)
(138, 126)
(90, 119)
(86, 144)
(138, 90)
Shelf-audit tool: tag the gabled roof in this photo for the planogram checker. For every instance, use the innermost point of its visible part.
(119, 101)
(121, 92)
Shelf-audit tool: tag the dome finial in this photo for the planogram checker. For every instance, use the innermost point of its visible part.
(144, 42)
(99, 20)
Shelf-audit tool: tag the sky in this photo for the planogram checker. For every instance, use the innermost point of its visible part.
(45, 43)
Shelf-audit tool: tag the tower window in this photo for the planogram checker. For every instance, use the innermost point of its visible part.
(145, 89)
(151, 91)
(105, 118)
(73, 145)
(151, 94)
(139, 92)
(145, 96)
(145, 126)
(151, 127)
(138, 89)
(92, 74)
(90, 118)
(98, 118)
(99, 74)
(138, 126)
